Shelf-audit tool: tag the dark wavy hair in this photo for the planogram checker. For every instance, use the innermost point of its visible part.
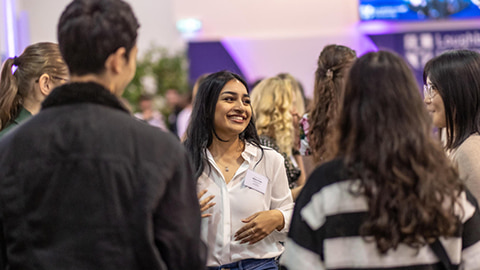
(332, 67)
(384, 137)
(91, 30)
(456, 77)
(201, 129)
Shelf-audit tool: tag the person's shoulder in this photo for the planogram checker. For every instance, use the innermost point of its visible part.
(468, 153)
(328, 173)
(270, 153)
(470, 145)
(7, 129)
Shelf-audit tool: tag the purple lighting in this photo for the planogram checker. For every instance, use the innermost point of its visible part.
(376, 27)
(10, 28)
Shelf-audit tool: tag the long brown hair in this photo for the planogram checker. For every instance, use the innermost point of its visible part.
(384, 136)
(333, 63)
(37, 59)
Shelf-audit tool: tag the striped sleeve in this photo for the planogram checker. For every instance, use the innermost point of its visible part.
(325, 227)
(471, 234)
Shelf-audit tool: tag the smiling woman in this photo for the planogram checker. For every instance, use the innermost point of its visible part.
(247, 198)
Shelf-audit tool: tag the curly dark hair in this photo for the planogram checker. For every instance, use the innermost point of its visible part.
(201, 129)
(384, 137)
(333, 63)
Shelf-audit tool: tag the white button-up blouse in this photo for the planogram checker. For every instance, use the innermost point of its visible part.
(235, 201)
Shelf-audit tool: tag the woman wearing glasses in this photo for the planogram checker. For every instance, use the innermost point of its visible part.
(452, 96)
(39, 69)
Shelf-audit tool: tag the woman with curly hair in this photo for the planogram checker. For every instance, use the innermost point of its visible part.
(315, 127)
(274, 105)
(390, 198)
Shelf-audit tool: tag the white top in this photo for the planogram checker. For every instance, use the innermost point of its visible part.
(236, 201)
(183, 119)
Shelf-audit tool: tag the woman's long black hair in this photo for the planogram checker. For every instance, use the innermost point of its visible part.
(456, 77)
(201, 129)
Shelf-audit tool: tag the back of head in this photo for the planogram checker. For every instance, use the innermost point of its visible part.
(333, 64)
(90, 30)
(272, 101)
(297, 89)
(380, 103)
(201, 129)
(456, 77)
(36, 59)
(384, 137)
(197, 83)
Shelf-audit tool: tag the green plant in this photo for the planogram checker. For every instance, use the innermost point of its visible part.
(168, 70)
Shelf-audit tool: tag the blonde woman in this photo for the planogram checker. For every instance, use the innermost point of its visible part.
(40, 68)
(274, 105)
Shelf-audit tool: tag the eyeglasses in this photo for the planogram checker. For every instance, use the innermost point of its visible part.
(429, 91)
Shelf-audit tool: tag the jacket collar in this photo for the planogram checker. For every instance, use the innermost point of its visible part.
(74, 93)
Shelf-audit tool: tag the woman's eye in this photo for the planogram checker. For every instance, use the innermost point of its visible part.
(229, 99)
(247, 101)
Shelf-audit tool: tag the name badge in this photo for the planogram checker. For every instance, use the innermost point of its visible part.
(256, 181)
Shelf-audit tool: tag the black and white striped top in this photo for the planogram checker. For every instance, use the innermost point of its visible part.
(324, 232)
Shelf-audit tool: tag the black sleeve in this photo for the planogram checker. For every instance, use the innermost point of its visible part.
(177, 220)
(3, 245)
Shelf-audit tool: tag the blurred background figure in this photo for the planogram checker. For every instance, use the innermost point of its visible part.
(183, 118)
(452, 97)
(148, 113)
(38, 70)
(315, 127)
(174, 106)
(274, 102)
(390, 198)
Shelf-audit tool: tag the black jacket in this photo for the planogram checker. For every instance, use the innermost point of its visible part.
(83, 185)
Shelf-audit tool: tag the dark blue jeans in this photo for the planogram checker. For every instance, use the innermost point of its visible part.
(249, 264)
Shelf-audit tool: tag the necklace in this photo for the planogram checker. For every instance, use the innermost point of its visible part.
(226, 168)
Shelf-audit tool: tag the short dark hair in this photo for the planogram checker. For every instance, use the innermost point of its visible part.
(201, 129)
(456, 77)
(91, 30)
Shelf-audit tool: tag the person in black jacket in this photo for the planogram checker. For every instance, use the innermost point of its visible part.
(83, 185)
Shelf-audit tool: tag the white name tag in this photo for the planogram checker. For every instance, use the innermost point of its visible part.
(256, 181)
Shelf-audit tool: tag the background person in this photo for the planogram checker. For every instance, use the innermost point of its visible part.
(253, 201)
(83, 184)
(315, 127)
(39, 69)
(274, 106)
(148, 113)
(391, 198)
(452, 97)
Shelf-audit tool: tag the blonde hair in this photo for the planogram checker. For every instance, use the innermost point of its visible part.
(37, 59)
(294, 86)
(272, 101)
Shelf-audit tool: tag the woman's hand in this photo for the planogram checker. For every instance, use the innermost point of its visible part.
(259, 226)
(205, 204)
